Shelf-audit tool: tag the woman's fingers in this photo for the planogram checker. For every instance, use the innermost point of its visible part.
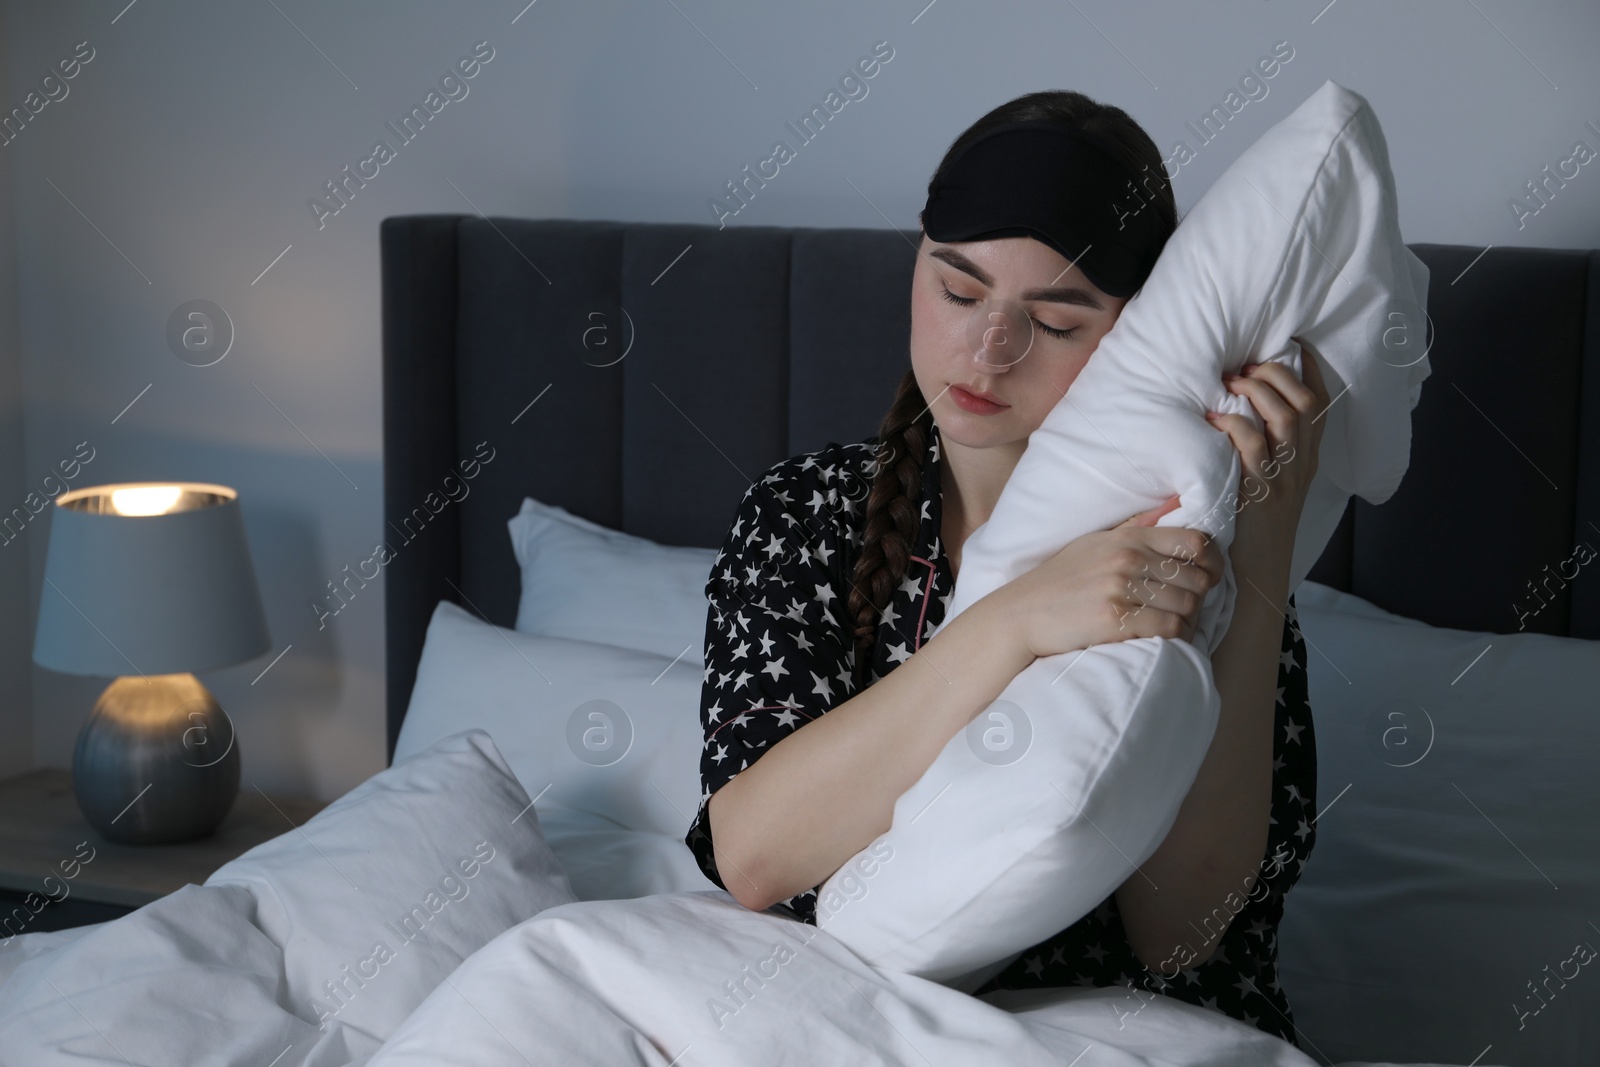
(1311, 373)
(1148, 518)
(1277, 412)
(1173, 596)
(1173, 581)
(1183, 544)
(1180, 557)
(1154, 619)
(1313, 379)
(1249, 442)
(1177, 560)
(1296, 393)
(1180, 542)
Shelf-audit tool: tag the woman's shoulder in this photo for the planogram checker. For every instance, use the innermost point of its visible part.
(818, 496)
(834, 478)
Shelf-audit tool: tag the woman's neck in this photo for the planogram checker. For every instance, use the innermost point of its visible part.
(969, 484)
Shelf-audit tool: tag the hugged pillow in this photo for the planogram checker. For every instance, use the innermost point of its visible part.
(583, 581)
(1298, 238)
(596, 728)
(1449, 902)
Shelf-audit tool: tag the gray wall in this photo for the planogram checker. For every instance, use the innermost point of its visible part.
(16, 632)
(181, 162)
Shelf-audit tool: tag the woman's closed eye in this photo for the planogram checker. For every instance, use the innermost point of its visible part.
(968, 301)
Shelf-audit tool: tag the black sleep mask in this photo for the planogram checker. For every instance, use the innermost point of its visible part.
(1043, 180)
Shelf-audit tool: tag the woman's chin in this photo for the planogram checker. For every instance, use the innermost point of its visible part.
(980, 431)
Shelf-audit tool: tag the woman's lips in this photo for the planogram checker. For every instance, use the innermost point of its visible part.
(968, 401)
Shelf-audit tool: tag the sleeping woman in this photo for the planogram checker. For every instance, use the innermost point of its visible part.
(825, 697)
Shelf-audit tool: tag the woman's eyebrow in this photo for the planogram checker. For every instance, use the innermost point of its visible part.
(1062, 295)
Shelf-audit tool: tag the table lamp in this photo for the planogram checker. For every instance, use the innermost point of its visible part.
(150, 582)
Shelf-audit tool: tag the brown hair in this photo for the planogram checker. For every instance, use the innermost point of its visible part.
(893, 513)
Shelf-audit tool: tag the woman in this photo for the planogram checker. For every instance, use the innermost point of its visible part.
(841, 562)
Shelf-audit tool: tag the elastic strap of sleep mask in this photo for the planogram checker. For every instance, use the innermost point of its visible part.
(1043, 180)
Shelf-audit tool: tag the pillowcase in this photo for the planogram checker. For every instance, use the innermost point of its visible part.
(605, 730)
(381, 894)
(1450, 899)
(583, 581)
(1298, 238)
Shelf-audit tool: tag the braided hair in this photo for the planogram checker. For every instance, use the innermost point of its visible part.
(893, 512)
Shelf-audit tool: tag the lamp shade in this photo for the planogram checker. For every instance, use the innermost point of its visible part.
(148, 578)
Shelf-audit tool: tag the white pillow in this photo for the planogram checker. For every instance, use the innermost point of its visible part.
(607, 861)
(1299, 237)
(605, 730)
(1458, 844)
(583, 581)
(386, 890)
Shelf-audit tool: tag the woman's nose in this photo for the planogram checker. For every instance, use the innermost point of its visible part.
(999, 335)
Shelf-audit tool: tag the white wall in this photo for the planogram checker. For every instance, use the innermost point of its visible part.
(190, 145)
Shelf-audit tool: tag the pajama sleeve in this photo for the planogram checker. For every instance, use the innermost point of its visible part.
(775, 650)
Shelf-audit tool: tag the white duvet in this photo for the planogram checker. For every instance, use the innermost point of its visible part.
(682, 978)
(566, 940)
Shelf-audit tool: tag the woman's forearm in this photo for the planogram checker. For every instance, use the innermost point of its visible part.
(824, 792)
(1215, 846)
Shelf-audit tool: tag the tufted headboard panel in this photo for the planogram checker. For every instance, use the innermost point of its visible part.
(642, 374)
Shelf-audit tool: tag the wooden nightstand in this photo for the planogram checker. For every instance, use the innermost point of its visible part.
(43, 837)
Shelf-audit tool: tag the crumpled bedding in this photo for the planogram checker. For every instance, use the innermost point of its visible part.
(680, 978)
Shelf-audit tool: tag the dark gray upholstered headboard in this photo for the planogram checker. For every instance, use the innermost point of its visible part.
(504, 338)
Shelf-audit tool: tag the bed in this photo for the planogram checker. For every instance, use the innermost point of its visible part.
(736, 352)
(636, 376)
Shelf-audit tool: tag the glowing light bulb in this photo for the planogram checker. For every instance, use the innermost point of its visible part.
(145, 499)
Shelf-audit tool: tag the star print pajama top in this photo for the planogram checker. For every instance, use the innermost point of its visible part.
(778, 654)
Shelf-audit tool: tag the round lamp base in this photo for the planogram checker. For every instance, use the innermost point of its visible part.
(157, 762)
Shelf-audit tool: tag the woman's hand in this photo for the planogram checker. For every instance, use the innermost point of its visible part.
(1276, 464)
(1133, 580)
